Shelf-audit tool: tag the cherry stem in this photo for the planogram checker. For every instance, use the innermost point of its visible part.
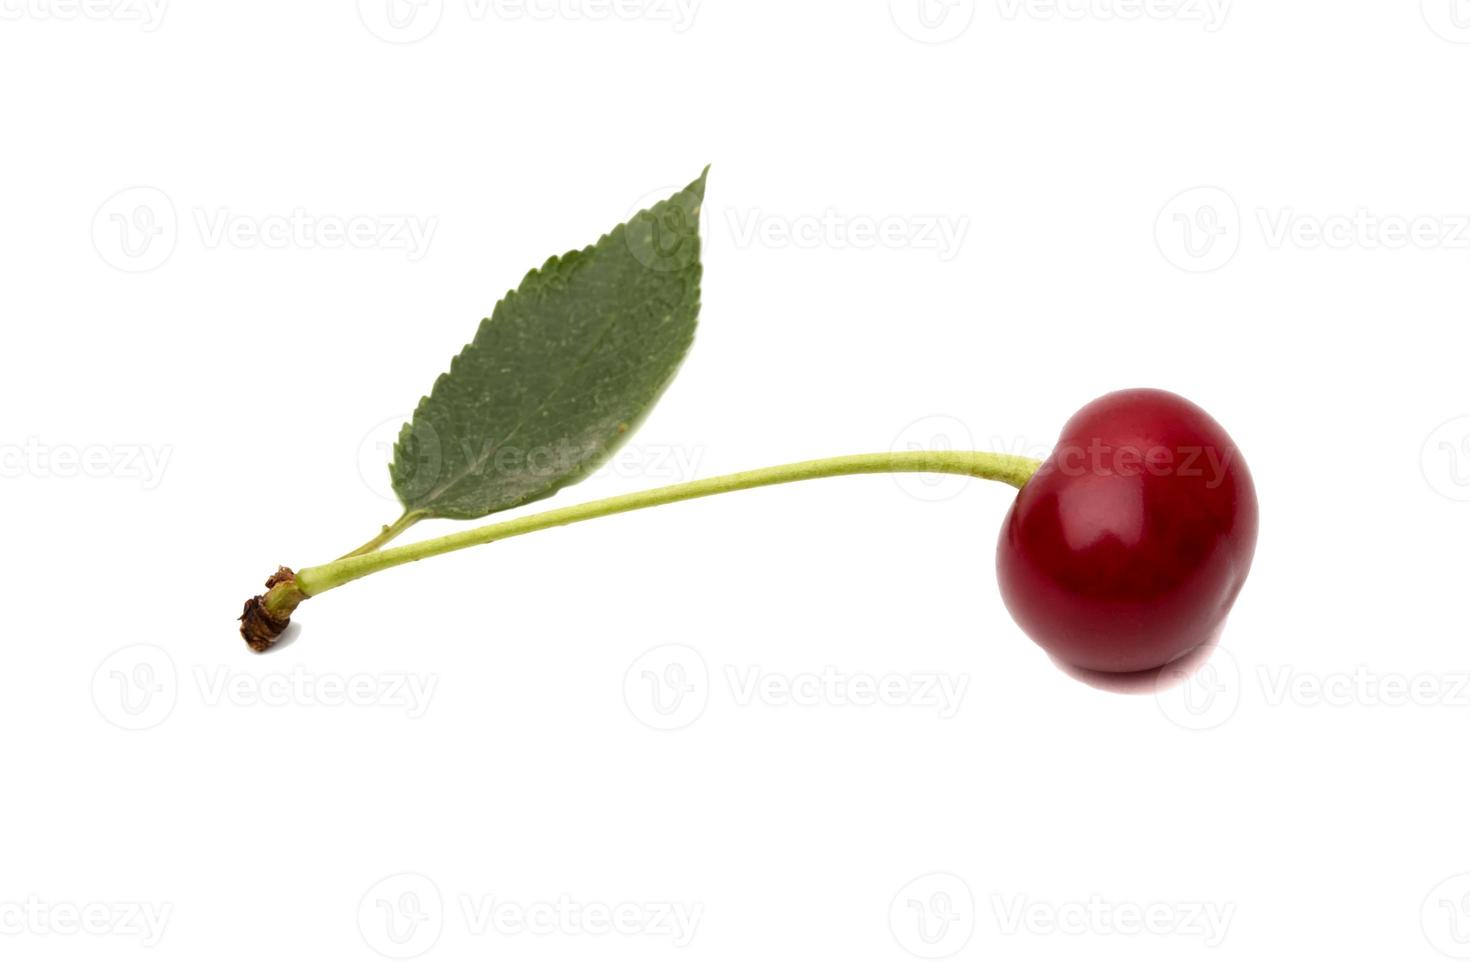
(389, 532)
(1013, 470)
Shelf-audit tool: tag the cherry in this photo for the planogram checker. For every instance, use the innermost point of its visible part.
(1128, 547)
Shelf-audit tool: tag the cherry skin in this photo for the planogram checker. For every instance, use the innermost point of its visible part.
(1128, 547)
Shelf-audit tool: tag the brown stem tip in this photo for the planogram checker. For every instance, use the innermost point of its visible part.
(266, 616)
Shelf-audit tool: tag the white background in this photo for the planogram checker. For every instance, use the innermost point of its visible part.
(1220, 199)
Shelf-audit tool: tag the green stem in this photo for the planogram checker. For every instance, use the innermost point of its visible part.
(389, 532)
(1014, 470)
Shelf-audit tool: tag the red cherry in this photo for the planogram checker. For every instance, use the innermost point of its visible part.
(1128, 547)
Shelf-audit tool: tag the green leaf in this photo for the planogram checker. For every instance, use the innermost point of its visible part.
(561, 373)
